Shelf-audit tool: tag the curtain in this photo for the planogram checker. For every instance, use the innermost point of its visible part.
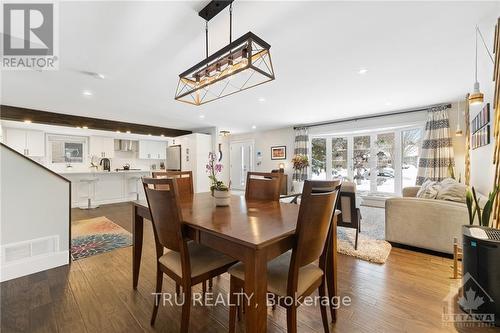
(301, 148)
(437, 147)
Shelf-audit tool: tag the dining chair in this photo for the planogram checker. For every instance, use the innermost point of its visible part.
(184, 181)
(350, 216)
(186, 262)
(263, 186)
(294, 274)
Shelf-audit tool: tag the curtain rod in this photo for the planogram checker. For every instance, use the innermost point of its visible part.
(448, 106)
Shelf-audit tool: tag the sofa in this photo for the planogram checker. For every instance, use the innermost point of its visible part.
(428, 224)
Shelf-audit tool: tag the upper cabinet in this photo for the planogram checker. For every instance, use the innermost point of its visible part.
(101, 147)
(152, 150)
(27, 142)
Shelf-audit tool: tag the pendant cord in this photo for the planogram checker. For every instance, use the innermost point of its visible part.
(484, 43)
(477, 29)
(206, 38)
(230, 23)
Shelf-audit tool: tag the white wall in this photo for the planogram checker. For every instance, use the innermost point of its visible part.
(263, 143)
(482, 168)
(34, 205)
(458, 141)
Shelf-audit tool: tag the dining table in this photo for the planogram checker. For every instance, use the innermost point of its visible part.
(253, 232)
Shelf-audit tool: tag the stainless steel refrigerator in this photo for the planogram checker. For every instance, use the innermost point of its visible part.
(174, 158)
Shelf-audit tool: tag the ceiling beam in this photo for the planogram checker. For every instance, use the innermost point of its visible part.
(15, 113)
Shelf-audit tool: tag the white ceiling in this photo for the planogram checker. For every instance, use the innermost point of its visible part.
(416, 53)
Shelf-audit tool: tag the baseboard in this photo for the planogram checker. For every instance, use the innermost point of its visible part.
(421, 250)
(33, 265)
(103, 202)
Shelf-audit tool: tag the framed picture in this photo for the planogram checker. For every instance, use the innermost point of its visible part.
(278, 153)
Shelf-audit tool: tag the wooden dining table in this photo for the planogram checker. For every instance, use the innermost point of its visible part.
(253, 232)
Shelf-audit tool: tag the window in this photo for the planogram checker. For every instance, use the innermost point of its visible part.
(66, 149)
(339, 158)
(318, 160)
(385, 149)
(378, 162)
(410, 144)
(361, 162)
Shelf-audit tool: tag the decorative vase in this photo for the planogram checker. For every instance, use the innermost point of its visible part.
(298, 185)
(222, 198)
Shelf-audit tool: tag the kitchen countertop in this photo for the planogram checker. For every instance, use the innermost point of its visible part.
(101, 172)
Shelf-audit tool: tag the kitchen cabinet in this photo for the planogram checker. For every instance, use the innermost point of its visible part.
(152, 150)
(101, 147)
(27, 142)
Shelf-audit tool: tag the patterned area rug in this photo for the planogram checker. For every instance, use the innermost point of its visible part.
(95, 236)
(371, 244)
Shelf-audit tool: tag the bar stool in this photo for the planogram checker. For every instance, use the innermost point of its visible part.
(91, 192)
(135, 179)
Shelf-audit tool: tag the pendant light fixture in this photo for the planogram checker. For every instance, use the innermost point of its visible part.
(242, 64)
(477, 97)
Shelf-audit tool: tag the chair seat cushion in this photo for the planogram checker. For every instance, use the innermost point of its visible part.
(277, 274)
(203, 259)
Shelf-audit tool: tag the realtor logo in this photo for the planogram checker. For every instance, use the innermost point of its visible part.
(473, 300)
(29, 36)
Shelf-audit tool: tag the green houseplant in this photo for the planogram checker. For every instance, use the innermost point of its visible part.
(474, 209)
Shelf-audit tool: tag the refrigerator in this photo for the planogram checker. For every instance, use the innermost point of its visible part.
(173, 158)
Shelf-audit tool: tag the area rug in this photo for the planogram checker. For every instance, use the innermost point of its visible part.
(95, 236)
(371, 244)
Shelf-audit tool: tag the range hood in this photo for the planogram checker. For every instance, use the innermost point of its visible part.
(125, 145)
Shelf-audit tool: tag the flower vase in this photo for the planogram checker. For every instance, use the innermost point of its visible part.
(298, 185)
(222, 198)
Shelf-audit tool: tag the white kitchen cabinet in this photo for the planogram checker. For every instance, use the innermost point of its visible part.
(152, 150)
(27, 142)
(101, 147)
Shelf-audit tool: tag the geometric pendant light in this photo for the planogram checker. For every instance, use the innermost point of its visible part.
(242, 64)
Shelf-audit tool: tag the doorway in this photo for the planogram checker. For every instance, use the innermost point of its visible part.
(241, 161)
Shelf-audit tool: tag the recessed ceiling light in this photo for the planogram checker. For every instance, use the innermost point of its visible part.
(87, 93)
(162, 135)
(27, 121)
(202, 116)
(78, 127)
(84, 127)
(362, 71)
(128, 132)
(388, 103)
(261, 99)
(149, 134)
(118, 132)
(99, 76)
(254, 127)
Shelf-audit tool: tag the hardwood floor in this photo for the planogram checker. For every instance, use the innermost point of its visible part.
(95, 294)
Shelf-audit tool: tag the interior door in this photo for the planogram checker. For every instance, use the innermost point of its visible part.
(241, 161)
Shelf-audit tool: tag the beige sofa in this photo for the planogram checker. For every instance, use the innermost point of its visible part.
(424, 223)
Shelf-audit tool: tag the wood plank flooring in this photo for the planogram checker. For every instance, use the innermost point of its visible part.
(95, 295)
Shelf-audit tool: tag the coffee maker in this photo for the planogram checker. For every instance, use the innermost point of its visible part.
(106, 164)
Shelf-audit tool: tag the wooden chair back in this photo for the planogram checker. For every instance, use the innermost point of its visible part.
(263, 186)
(319, 199)
(166, 215)
(184, 181)
(349, 216)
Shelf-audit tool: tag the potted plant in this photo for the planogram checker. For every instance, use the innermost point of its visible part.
(299, 162)
(474, 208)
(220, 191)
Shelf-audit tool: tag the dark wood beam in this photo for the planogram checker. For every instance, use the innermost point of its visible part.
(15, 113)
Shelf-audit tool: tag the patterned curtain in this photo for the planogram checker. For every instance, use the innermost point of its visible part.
(437, 147)
(301, 148)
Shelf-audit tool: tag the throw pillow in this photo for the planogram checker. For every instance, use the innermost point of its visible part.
(451, 190)
(429, 190)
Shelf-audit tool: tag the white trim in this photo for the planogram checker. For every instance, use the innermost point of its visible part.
(33, 265)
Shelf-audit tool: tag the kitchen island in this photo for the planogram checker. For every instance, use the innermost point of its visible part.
(105, 187)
